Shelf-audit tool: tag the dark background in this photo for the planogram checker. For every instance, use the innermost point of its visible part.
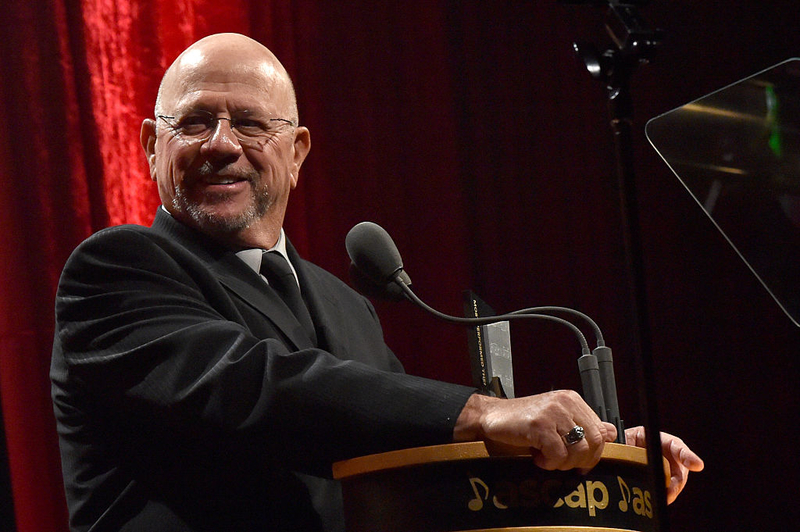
(471, 132)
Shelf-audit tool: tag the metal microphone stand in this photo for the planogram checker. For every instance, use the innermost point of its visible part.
(634, 44)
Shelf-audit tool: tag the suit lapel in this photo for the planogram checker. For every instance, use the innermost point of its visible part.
(236, 276)
(266, 301)
(322, 303)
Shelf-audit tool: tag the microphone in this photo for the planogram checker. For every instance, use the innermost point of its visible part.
(375, 257)
(609, 385)
(377, 270)
(374, 254)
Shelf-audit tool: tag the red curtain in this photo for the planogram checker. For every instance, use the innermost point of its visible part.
(471, 133)
(79, 77)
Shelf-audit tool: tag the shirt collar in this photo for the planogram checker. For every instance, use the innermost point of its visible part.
(252, 257)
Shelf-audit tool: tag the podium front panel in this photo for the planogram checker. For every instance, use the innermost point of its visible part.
(475, 491)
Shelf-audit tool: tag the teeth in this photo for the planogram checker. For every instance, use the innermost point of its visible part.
(220, 180)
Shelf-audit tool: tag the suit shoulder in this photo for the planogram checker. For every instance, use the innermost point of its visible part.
(114, 236)
(120, 240)
(119, 251)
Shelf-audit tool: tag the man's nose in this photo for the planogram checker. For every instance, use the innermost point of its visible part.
(223, 142)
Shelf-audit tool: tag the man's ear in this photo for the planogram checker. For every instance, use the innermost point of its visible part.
(302, 145)
(147, 137)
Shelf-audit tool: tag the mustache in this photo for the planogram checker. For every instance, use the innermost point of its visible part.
(208, 169)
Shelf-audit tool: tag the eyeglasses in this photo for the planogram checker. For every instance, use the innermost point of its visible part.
(198, 126)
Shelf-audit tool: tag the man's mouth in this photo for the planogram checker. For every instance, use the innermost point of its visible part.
(220, 187)
(228, 181)
(224, 181)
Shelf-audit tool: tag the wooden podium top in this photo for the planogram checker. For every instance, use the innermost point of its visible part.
(478, 488)
(613, 452)
(551, 529)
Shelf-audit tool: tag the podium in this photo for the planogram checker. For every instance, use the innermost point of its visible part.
(468, 487)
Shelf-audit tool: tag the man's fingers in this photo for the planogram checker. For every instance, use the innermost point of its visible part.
(688, 458)
(609, 431)
(540, 422)
(557, 453)
(553, 453)
(562, 457)
(681, 459)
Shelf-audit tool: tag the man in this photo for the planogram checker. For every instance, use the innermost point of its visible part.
(189, 395)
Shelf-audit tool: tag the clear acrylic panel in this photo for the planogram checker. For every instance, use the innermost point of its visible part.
(737, 152)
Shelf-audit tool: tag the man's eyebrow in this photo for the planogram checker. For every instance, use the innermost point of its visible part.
(244, 110)
(183, 110)
(249, 111)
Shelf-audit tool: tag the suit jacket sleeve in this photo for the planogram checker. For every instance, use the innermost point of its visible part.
(152, 345)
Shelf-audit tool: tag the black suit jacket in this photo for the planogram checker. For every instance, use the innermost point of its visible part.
(188, 398)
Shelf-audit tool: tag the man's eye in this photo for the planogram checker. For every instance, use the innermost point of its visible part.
(195, 123)
(250, 126)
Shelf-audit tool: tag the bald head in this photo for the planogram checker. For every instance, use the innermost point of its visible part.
(226, 57)
(225, 147)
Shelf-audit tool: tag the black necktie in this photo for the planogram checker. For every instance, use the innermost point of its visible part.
(281, 278)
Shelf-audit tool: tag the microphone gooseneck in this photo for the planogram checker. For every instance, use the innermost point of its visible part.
(411, 296)
(377, 270)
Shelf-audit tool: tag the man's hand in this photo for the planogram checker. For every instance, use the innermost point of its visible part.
(538, 422)
(681, 459)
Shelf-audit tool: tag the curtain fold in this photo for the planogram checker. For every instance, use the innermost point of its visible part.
(47, 206)
(78, 78)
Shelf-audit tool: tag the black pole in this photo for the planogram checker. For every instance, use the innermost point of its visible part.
(634, 44)
(621, 124)
(7, 521)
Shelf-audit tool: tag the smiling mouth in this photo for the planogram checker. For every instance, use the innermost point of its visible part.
(217, 189)
(217, 180)
(223, 181)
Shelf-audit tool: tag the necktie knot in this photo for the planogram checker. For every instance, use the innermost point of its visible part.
(274, 266)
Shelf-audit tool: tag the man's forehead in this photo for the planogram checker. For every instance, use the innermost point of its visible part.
(230, 57)
(197, 74)
(259, 70)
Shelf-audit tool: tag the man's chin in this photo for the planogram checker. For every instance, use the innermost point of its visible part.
(218, 215)
(219, 221)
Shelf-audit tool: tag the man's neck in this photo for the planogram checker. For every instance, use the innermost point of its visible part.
(264, 233)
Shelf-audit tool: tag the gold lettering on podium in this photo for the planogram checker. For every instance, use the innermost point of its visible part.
(477, 503)
(594, 504)
(548, 487)
(576, 499)
(508, 493)
(585, 497)
(640, 500)
(625, 491)
(641, 503)
(591, 496)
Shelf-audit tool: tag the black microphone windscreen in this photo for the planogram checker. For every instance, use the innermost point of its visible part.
(373, 252)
